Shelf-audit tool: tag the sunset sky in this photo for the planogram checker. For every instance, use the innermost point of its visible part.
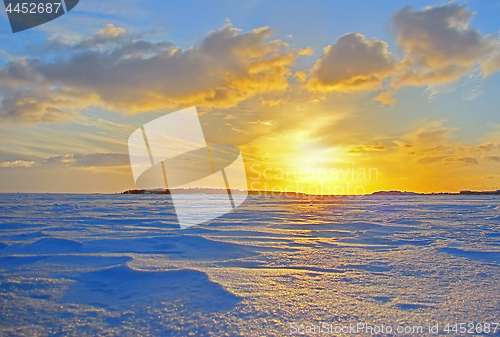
(406, 91)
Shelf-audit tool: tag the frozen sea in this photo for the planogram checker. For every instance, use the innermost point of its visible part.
(114, 265)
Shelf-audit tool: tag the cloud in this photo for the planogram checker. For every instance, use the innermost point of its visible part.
(17, 163)
(75, 160)
(266, 122)
(491, 65)
(301, 76)
(363, 148)
(439, 45)
(386, 98)
(464, 160)
(432, 143)
(111, 31)
(308, 51)
(352, 63)
(428, 143)
(493, 158)
(123, 72)
(90, 159)
(430, 136)
(484, 147)
(36, 105)
(272, 102)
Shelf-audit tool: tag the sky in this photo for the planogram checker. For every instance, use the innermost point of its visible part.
(321, 97)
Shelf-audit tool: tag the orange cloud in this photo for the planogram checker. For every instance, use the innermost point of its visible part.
(119, 72)
(363, 148)
(386, 98)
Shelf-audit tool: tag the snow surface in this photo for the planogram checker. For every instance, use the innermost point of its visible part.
(119, 265)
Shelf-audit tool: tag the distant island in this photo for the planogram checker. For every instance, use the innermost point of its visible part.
(181, 191)
(207, 191)
(276, 193)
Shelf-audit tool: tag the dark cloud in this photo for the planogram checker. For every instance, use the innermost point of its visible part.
(352, 63)
(439, 45)
(35, 105)
(493, 158)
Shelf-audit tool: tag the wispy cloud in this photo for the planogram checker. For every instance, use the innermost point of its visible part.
(370, 147)
(75, 160)
(17, 163)
(90, 159)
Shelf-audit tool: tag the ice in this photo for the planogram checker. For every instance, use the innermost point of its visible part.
(119, 264)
